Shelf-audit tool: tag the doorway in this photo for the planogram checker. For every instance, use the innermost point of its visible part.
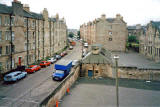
(90, 73)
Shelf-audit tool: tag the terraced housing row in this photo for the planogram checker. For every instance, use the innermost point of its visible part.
(26, 37)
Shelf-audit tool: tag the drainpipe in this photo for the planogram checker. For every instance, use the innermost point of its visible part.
(53, 37)
(27, 44)
(11, 40)
(38, 40)
(50, 36)
(43, 39)
(154, 53)
(35, 41)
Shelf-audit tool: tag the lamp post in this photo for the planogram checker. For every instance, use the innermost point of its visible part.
(116, 57)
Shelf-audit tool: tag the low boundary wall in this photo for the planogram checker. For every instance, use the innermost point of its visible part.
(61, 89)
(141, 74)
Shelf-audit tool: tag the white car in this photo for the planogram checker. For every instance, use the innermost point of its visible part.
(52, 60)
(71, 47)
(75, 62)
(85, 44)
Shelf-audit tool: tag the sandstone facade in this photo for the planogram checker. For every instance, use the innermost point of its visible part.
(150, 41)
(34, 36)
(111, 32)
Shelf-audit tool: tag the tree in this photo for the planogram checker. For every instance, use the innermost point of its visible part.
(70, 35)
(78, 34)
(132, 38)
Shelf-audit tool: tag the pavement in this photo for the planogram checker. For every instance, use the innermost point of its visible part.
(102, 93)
(133, 59)
(29, 91)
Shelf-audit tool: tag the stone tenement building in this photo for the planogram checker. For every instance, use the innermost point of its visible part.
(26, 37)
(150, 41)
(111, 32)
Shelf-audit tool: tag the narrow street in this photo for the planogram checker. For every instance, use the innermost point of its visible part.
(34, 87)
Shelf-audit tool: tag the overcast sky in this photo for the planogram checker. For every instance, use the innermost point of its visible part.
(77, 12)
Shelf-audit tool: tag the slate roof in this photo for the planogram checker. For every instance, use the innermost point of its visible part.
(156, 24)
(27, 14)
(131, 27)
(94, 59)
(4, 9)
(110, 20)
(52, 19)
(36, 15)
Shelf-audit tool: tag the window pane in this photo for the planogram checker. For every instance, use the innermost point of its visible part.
(0, 20)
(0, 66)
(0, 35)
(12, 21)
(6, 49)
(7, 35)
(13, 48)
(25, 48)
(0, 50)
(12, 35)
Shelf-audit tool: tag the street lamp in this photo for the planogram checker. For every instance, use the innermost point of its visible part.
(116, 57)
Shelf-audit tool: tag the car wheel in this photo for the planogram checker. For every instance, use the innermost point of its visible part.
(34, 71)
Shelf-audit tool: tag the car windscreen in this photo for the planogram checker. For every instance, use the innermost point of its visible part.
(59, 72)
(8, 76)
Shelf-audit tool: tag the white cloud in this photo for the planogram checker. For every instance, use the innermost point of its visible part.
(76, 12)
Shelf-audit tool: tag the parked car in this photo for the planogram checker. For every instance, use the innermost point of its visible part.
(75, 62)
(62, 54)
(58, 57)
(44, 63)
(33, 68)
(70, 47)
(85, 44)
(14, 76)
(52, 60)
(65, 53)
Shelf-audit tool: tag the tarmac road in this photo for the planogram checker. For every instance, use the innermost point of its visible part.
(32, 89)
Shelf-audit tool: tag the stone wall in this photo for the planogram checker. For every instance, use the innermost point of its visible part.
(123, 72)
(66, 84)
(142, 74)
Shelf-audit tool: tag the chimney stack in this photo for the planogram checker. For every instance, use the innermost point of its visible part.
(118, 16)
(17, 8)
(103, 17)
(57, 16)
(14, 0)
(26, 7)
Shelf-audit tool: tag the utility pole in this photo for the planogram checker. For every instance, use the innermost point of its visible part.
(11, 41)
(43, 39)
(116, 57)
(35, 41)
(27, 44)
